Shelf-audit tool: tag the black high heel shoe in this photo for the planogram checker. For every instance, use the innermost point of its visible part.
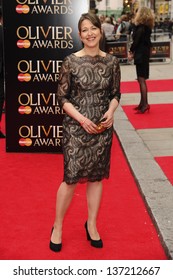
(143, 110)
(94, 243)
(53, 246)
(137, 107)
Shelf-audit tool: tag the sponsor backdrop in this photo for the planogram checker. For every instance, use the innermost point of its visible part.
(38, 34)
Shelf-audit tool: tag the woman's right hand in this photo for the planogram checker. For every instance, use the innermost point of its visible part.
(89, 126)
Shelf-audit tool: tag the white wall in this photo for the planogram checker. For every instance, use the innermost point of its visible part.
(112, 4)
(118, 4)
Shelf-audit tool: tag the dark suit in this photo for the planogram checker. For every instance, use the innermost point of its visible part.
(1, 73)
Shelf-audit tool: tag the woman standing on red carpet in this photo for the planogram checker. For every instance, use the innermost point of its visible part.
(89, 93)
(140, 51)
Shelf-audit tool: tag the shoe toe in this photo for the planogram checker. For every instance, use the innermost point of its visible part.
(2, 135)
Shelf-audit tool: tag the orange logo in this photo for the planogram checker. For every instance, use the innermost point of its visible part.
(23, 44)
(25, 110)
(22, 9)
(24, 77)
(25, 142)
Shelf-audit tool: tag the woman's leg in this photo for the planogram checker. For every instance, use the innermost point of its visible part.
(143, 91)
(94, 194)
(64, 197)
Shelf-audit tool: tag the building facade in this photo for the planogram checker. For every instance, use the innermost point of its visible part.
(109, 7)
(162, 8)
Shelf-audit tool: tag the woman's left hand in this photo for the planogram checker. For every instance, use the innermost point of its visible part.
(89, 126)
(130, 56)
(109, 120)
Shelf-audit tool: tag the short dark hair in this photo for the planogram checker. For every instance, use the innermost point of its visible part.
(91, 17)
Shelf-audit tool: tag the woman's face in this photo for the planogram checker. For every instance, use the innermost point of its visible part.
(90, 35)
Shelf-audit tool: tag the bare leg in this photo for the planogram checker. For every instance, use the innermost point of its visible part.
(94, 194)
(64, 197)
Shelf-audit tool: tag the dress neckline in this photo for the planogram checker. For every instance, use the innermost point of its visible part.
(90, 56)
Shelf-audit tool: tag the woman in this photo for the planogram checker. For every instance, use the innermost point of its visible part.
(140, 51)
(88, 91)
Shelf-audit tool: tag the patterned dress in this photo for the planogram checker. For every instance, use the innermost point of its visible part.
(89, 83)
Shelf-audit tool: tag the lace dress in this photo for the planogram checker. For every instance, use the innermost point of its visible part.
(89, 83)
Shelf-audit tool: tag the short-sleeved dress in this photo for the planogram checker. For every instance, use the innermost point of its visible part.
(89, 83)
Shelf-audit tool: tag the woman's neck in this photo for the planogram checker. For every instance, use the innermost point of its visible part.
(91, 52)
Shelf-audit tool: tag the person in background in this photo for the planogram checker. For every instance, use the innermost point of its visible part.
(140, 52)
(131, 26)
(123, 28)
(108, 29)
(101, 18)
(170, 28)
(89, 93)
(113, 20)
(118, 21)
(2, 135)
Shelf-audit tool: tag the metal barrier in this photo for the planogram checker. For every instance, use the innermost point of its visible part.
(161, 50)
(119, 48)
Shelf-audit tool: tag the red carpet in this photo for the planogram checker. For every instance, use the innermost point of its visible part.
(166, 163)
(27, 198)
(159, 116)
(153, 86)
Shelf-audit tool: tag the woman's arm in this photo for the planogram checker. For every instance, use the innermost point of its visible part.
(115, 95)
(138, 36)
(73, 112)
